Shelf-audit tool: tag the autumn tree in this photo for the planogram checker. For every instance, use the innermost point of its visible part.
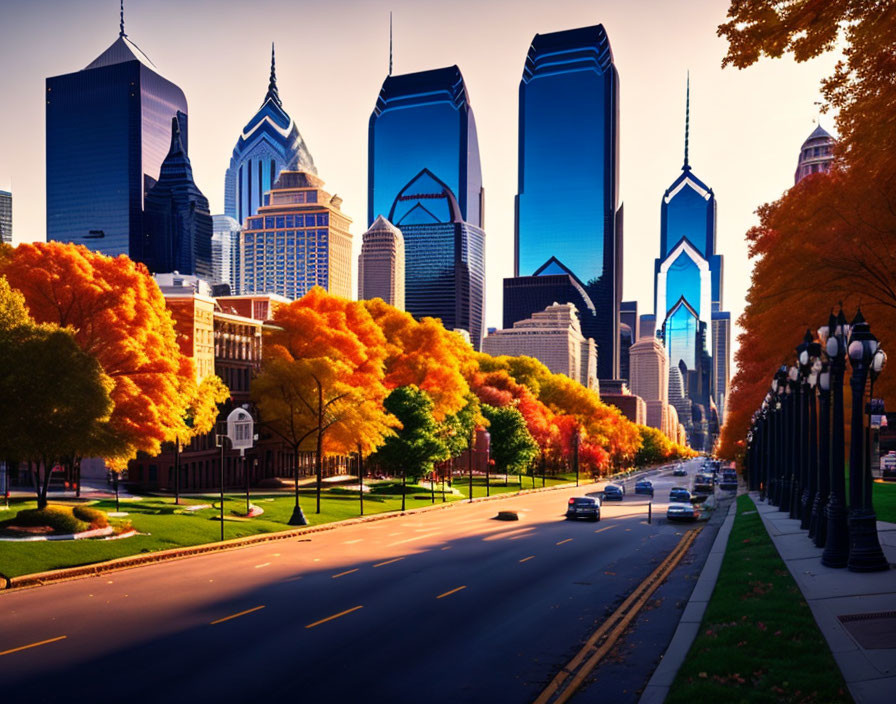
(512, 446)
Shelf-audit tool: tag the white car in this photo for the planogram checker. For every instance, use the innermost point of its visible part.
(682, 512)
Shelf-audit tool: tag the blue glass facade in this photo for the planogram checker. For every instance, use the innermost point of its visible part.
(424, 121)
(269, 143)
(108, 130)
(5, 216)
(567, 202)
(444, 256)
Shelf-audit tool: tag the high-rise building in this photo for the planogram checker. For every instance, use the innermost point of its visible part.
(444, 255)
(629, 334)
(567, 205)
(424, 121)
(381, 264)
(721, 353)
(269, 143)
(177, 224)
(108, 130)
(816, 154)
(226, 251)
(552, 336)
(298, 239)
(688, 295)
(5, 216)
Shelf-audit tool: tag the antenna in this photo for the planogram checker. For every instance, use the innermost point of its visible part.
(121, 26)
(390, 41)
(687, 120)
(817, 105)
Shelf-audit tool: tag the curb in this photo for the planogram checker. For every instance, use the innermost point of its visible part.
(660, 682)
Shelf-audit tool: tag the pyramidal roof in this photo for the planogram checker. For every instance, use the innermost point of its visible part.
(818, 133)
(121, 51)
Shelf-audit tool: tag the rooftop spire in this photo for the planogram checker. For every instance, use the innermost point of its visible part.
(272, 84)
(177, 144)
(687, 122)
(390, 41)
(121, 25)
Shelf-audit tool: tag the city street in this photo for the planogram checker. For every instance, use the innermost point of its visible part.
(446, 606)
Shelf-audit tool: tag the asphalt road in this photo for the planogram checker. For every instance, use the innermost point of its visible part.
(443, 606)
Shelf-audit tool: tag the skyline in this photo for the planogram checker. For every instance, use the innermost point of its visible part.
(745, 142)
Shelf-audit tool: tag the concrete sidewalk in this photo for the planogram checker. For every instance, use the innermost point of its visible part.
(855, 612)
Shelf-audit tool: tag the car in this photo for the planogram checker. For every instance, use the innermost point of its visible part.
(613, 492)
(729, 481)
(703, 482)
(583, 507)
(682, 512)
(679, 471)
(679, 493)
(645, 486)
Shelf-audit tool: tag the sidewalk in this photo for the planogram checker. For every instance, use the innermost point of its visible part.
(855, 612)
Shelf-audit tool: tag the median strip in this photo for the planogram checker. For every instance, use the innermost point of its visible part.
(330, 618)
(241, 613)
(32, 645)
(453, 591)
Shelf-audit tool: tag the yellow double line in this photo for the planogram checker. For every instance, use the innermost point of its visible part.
(605, 637)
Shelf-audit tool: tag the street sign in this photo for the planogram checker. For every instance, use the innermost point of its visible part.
(240, 429)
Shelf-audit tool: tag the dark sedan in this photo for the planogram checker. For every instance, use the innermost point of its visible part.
(679, 494)
(613, 492)
(644, 487)
(583, 507)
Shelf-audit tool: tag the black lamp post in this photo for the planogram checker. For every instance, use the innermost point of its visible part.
(818, 522)
(778, 437)
(808, 356)
(795, 441)
(836, 545)
(765, 458)
(865, 554)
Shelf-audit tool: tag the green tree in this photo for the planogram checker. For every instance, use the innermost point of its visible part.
(414, 449)
(457, 429)
(512, 447)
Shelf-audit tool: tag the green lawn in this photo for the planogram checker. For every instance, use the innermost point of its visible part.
(884, 499)
(758, 641)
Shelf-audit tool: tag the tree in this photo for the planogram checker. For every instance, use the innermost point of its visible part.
(117, 315)
(512, 447)
(54, 398)
(414, 449)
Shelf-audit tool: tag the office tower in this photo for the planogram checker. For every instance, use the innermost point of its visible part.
(225, 251)
(269, 143)
(567, 203)
(650, 379)
(298, 239)
(108, 130)
(816, 154)
(424, 121)
(721, 354)
(688, 294)
(679, 400)
(5, 217)
(177, 224)
(628, 335)
(552, 336)
(444, 256)
(381, 264)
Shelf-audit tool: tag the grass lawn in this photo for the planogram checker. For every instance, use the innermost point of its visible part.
(884, 499)
(758, 641)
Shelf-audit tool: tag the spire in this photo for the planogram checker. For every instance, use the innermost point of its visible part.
(121, 25)
(390, 41)
(272, 84)
(177, 144)
(687, 122)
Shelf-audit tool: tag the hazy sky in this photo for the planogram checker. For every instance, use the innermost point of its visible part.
(746, 126)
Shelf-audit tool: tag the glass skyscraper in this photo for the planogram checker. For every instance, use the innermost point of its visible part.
(176, 220)
(5, 217)
(567, 202)
(108, 130)
(226, 251)
(444, 255)
(424, 121)
(269, 143)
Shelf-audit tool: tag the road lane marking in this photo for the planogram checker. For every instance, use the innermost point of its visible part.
(525, 535)
(447, 547)
(601, 530)
(32, 645)
(526, 559)
(342, 574)
(388, 562)
(393, 534)
(453, 591)
(263, 564)
(564, 541)
(330, 618)
(411, 540)
(352, 542)
(241, 613)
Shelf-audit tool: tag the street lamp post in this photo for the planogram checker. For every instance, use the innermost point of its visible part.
(836, 546)
(793, 443)
(865, 554)
(824, 455)
(802, 496)
(809, 366)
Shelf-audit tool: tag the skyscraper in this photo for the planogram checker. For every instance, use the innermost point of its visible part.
(688, 297)
(567, 203)
(5, 217)
(108, 131)
(226, 251)
(424, 121)
(816, 154)
(381, 265)
(298, 239)
(444, 255)
(177, 223)
(269, 143)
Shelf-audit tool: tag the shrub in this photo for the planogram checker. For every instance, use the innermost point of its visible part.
(60, 518)
(93, 516)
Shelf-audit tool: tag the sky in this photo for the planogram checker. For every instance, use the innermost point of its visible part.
(746, 126)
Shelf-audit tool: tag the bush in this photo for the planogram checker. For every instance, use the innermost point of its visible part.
(60, 518)
(93, 516)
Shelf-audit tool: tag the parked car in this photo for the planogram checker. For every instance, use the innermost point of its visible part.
(645, 486)
(682, 512)
(679, 494)
(679, 471)
(729, 482)
(613, 492)
(583, 507)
